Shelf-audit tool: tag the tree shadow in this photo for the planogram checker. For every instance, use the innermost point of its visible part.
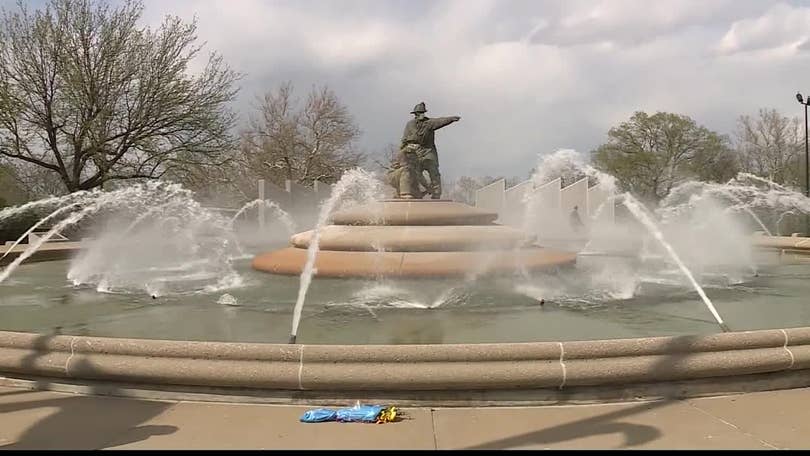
(634, 434)
(85, 422)
(81, 422)
(607, 423)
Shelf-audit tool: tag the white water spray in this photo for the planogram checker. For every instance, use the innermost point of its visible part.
(635, 208)
(283, 215)
(44, 220)
(356, 180)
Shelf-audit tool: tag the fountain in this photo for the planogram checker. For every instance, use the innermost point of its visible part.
(422, 301)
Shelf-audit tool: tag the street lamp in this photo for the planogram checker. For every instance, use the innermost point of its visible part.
(806, 163)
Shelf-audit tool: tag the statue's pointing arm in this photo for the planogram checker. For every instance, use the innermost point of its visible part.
(439, 122)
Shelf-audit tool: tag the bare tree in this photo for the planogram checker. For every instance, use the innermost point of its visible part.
(650, 154)
(465, 187)
(302, 143)
(35, 181)
(388, 158)
(88, 95)
(11, 192)
(770, 145)
(463, 190)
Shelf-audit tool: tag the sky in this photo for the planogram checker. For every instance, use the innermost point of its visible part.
(526, 77)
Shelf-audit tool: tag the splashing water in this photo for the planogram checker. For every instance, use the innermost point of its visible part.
(635, 208)
(188, 246)
(44, 220)
(285, 218)
(363, 187)
(80, 196)
(227, 300)
(779, 221)
(572, 163)
(53, 232)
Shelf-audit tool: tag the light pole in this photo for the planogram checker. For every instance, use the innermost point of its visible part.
(805, 102)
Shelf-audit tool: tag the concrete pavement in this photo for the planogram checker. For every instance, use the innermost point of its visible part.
(50, 420)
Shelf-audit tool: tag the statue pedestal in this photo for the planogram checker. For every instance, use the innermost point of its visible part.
(414, 238)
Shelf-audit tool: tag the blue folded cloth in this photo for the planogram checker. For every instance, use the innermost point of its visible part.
(319, 416)
(356, 414)
(361, 414)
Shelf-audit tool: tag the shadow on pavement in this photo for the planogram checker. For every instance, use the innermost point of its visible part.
(634, 434)
(80, 421)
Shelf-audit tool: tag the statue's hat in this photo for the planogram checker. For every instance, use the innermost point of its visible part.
(419, 108)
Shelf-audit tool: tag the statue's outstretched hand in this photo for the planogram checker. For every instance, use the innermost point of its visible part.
(456, 118)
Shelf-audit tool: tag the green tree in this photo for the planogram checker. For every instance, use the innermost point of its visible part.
(651, 154)
(89, 95)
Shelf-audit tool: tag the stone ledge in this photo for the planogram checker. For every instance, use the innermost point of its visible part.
(414, 238)
(413, 212)
(574, 395)
(781, 242)
(341, 264)
(51, 251)
(473, 367)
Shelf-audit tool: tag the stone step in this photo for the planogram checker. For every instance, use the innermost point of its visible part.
(781, 242)
(291, 261)
(414, 212)
(414, 238)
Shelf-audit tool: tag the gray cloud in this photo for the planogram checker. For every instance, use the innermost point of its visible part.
(527, 77)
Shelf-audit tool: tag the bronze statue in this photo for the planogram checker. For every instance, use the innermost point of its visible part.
(405, 174)
(419, 135)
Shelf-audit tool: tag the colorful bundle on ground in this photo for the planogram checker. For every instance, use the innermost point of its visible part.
(356, 414)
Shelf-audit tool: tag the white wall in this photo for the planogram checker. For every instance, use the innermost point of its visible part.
(492, 198)
(545, 211)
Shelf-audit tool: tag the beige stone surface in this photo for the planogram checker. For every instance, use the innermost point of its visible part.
(782, 418)
(649, 425)
(47, 252)
(419, 212)
(227, 426)
(46, 420)
(414, 238)
(781, 242)
(291, 261)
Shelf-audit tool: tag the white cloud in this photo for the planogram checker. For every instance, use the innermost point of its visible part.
(526, 76)
(782, 27)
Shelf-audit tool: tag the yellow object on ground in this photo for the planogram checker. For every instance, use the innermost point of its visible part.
(387, 415)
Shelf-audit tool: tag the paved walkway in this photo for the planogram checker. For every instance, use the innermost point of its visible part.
(47, 420)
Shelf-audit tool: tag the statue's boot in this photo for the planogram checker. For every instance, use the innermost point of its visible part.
(436, 192)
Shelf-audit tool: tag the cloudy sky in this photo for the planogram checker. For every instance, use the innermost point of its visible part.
(526, 77)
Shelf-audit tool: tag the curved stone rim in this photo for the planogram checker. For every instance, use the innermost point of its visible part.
(349, 264)
(414, 238)
(389, 369)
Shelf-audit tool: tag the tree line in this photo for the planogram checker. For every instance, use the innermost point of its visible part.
(88, 99)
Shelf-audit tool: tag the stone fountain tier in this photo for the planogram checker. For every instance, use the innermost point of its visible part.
(344, 264)
(418, 238)
(399, 212)
(414, 238)
(781, 242)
